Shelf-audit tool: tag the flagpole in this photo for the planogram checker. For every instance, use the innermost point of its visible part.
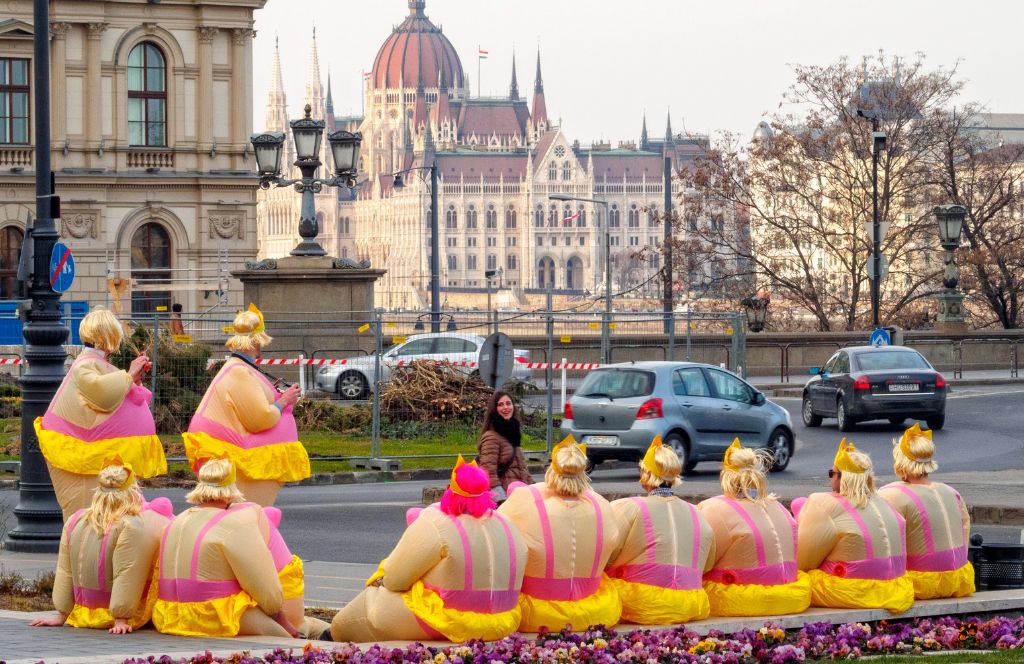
(479, 58)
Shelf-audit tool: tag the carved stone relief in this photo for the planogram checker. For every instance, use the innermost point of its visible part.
(227, 225)
(79, 224)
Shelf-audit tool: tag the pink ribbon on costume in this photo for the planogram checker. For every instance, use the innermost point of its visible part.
(939, 561)
(549, 588)
(764, 575)
(879, 569)
(91, 598)
(193, 590)
(676, 577)
(478, 601)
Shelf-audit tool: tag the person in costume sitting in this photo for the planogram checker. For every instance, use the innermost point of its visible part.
(99, 411)
(293, 580)
(851, 541)
(666, 549)
(755, 567)
(106, 558)
(938, 525)
(217, 575)
(571, 532)
(242, 415)
(455, 574)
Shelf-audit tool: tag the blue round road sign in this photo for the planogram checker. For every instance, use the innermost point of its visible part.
(62, 268)
(880, 337)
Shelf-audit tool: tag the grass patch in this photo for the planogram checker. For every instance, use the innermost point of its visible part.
(20, 594)
(966, 657)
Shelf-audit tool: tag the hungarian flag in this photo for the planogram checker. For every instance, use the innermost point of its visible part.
(482, 54)
(367, 74)
(569, 219)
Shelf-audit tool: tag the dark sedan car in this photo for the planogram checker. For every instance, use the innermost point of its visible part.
(875, 383)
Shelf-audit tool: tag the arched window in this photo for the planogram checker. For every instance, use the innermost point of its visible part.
(574, 273)
(510, 217)
(511, 262)
(492, 262)
(471, 262)
(492, 217)
(11, 239)
(471, 218)
(552, 171)
(581, 221)
(613, 217)
(566, 171)
(553, 216)
(634, 216)
(545, 272)
(453, 262)
(451, 218)
(151, 266)
(147, 96)
(538, 216)
(652, 215)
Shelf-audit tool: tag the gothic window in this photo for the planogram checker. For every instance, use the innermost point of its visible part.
(652, 216)
(574, 273)
(510, 241)
(14, 104)
(451, 218)
(453, 262)
(11, 238)
(545, 272)
(613, 217)
(552, 171)
(634, 216)
(471, 218)
(492, 217)
(553, 216)
(566, 171)
(510, 217)
(471, 262)
(346, 226)
(147, 96)
(538, 216)
(151, 265)
(511, 262)
(492, 262)
(581, 221)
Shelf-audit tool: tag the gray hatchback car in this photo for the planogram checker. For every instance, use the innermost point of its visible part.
(697, 409)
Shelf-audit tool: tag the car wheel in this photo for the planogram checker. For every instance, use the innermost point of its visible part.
(807, 409)
(845, 422)
(897, 421)
(681, 447)
(781, 446)
(936, 422)
(591, 465)
(352, 385)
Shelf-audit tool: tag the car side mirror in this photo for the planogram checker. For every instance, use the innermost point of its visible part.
(814, 371)
(759, 399)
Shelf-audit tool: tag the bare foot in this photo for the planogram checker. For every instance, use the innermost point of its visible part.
(121, 626)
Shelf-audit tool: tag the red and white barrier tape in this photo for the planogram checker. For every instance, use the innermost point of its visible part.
(11, 360)
(568, 366)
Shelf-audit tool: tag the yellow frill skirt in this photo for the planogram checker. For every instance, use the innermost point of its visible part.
(934, 585)
(283, 462)
(602, 608)
(894, 595)
(751, 599)
(643, 604)
(459, 626)
(144, 453)
(292, 579)
(215, 617)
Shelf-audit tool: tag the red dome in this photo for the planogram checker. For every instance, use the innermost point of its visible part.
(414, 54)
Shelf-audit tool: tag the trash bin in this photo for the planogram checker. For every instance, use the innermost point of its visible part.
(999, 567)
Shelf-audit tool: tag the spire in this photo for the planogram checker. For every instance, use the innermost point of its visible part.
(513, 91)
(416, 7)
(329, 103)
(539, 114)
(314, 88)
(644, 139)
(277, 104)
(670, 142)
(538, 85)
(428, 141)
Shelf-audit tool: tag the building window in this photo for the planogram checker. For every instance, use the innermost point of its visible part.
(11, 239)
(147, 96)
(538, 216)
(471, 262)
(510, 241)
(344, 252)
(151, 265)
(581, 221)
(492, 241)
(566, 171)
(574, 273)
(14, 90)
(471, 218)
(510, 217)
(552, 171)
(583, 241)
(613, 217)
(634, 241)
(568, 241)
(553, 216)
(470, 241)
(511, 262)
(492, 217)
(634, 216)
(346, 226)
(453, 262)
(492, 262)
(652, 216)
(452, 241)
(614, 240)
(540, 241)
(546, 272)
(451, 218)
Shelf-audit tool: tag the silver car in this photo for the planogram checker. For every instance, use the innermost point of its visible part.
(354, 379)
(697, 409)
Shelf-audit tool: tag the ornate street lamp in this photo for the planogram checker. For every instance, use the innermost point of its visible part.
(435, 241)
(756, 307)
(950, 302)
(308, 135)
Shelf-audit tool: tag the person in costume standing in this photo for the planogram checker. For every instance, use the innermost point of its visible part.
(852, 542)
(455, 574)
(106, 560)
(99, 411)
(755, 568)
(571, 532)
(217, 574)
(499, 449)
(938, 525)
(666, 549)
(243, 416)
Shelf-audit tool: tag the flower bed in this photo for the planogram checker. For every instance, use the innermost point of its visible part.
(768, 645)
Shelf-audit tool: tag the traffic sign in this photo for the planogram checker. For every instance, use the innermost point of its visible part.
(883, 230)
(62, 268)
(879, 337)
(496, 360)
(883, 263)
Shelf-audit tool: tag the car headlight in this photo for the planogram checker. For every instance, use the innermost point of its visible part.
(324, 370)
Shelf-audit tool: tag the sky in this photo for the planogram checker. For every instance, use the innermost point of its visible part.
(719, 65)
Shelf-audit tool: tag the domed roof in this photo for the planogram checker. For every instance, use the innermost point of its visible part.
(415, 53)
(763, 132)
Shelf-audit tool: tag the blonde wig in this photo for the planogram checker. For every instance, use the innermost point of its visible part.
(101, 329)
(923, 450)
(746, 475)
(858, 487)
(116, 497)
(216, 484)
(249, 336)
(668, 465)
(572, 480)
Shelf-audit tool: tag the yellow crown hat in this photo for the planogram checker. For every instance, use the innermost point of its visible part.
(843, 461)
(261, 326)
(116, 461)
(454, 484)
(568, 441)
(649, 461)
(727, 463)
(228, 480)
(908, 435)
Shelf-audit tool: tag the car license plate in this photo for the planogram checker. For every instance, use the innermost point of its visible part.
(904, 387)
(608, 441)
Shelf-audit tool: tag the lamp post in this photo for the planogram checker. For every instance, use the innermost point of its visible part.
(490, 275)
(950, 317)
(606, 324)
(756, 307)
(878, 140)
(307, 134)
(39, 517)
(435, 242)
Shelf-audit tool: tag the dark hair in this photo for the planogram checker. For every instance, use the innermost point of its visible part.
(492, 408)
(175, 307)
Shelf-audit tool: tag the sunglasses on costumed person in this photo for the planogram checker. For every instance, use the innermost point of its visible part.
(832, 472)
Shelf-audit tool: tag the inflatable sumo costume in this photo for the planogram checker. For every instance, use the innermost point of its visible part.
(455, 574)
(217, 575)
(755, 568)
(938, 525)
(106, 560)
(243, 416)
(666, 549)
(99, 411)
(571, 532)
(851, 541)
(293, 580)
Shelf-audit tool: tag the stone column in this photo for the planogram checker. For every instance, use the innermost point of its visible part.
(204, 94)
(240, 99)
(93, 90)
(58, 85)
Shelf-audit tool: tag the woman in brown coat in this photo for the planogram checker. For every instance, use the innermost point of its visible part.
(498, 449)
